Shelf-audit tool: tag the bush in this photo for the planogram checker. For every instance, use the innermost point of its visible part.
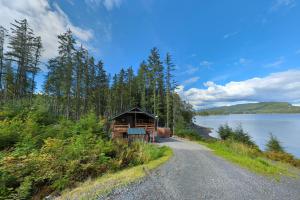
(225, 132)
(42, 158)
(283, 157)
(240, 135)
(274, 144)
(188, 133)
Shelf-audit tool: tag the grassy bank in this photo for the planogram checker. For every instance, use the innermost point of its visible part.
(272, 164)
(249, 158)
(92, 189)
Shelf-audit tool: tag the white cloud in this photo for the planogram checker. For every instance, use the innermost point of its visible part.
(47, 21)
(277, 4)
(190, 70)
(206, 64)
(242, 61)
(191, 80)
(276, 63)
(108, 4)
(228, 35)
(281, 86)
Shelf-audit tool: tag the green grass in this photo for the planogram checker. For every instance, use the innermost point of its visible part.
(249, 158)
(92, 189)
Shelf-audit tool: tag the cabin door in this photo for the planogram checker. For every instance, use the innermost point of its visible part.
(131, 121)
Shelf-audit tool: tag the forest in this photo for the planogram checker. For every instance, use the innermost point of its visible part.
(54, 138)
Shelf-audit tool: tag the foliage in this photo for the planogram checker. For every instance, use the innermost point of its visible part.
(93, 188)
(51, 140)
(249, 157)
(283, 157)
(43, 156)
(187, 133)
(274, 145)
(239, 135)
(225, 132)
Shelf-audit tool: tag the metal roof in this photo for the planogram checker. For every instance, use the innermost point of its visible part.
(132, 110)
(136, 131)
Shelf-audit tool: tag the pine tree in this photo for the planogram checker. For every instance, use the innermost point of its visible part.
(21, 50)
(155, 70)
(37, 48)
(8, 79)
(142, 79)
(169, 88)
(101, 89)
(66, 52)
(53, 84)
(3, 34)
(78, 83)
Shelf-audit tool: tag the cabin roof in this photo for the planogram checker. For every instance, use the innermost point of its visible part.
(134, 110)
(136, 131)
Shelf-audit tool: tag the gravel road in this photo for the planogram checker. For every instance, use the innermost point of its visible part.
(195, 173)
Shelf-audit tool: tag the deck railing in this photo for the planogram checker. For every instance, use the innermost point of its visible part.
(149, 127)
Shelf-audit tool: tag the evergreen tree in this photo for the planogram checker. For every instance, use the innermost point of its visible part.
(155, 70)
(66, 52)
(21, 50)
(169, 88)
(3, 34)
(36, 60)
(142, 80)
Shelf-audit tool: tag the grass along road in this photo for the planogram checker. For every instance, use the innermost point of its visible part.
(93, 189)
(194, 172)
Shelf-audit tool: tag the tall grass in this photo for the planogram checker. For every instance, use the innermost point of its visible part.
(248, 157)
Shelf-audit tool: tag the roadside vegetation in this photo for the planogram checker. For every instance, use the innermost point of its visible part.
(59, 136)
(43, 154)
(238, 147)
(95, 188)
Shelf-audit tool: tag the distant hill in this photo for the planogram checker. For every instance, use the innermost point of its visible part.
(253, 108)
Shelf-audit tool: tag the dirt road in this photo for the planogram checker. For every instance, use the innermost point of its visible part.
(195, 173)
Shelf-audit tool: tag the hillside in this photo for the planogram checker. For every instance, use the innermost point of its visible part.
(253, 108)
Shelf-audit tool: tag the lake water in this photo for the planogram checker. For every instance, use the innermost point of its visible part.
(286, 127)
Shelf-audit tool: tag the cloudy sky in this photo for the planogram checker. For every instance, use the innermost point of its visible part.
(226, 52)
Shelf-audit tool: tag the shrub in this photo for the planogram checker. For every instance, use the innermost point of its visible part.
(41, 154)
(188, 133)
(283, 157)
(10, 133)
(240, 135)
(225, 132)
(274, 144)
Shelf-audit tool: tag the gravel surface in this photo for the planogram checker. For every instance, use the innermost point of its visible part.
(195, 173)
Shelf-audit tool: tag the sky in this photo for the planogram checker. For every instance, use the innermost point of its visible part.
(226, 52)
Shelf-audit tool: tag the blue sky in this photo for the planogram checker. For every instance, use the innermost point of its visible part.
(213, 43)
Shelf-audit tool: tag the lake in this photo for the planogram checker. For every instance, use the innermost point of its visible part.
(286, 127)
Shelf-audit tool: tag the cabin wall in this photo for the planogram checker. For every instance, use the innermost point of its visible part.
(138, 137)
(120, 125)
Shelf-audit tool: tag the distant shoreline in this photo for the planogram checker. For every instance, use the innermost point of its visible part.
(203, 115)
(202, 131)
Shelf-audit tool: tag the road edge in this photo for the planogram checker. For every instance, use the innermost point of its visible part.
(97, 188)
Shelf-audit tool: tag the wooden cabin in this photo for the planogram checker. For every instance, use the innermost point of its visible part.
(134, 124)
